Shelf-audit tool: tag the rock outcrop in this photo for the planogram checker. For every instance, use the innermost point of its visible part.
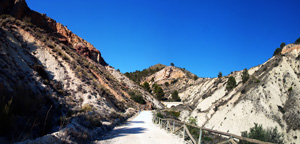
(290, 47)
(20, 10)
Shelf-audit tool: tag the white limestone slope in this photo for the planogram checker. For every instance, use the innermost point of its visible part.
(268, 101)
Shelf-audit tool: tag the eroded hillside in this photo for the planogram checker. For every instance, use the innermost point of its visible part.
(51, 80)
(269, 97)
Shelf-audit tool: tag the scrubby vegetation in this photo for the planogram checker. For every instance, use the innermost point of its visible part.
(195, 77)
(277, 51)
(174, 81)
(245, 75)
(282, 45)
(158, 92)
(159, 115)
(137, 97)
(175, 96)
(86, 108)
(173, 114)
(167, 84)
(146, 86)
(267, 135)
(231, 83)
(138, 76)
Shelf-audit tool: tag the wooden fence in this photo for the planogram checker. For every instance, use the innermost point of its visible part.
(183, 129)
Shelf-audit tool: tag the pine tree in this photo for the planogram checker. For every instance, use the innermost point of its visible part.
(220, 75)
(245, 75)
(146, 86)
(231, 83)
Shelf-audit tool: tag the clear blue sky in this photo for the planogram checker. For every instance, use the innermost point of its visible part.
(203, 36)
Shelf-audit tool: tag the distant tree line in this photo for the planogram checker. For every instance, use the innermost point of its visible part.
(138, 76)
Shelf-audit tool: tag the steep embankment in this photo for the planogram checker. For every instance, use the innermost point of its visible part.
(270, 97)
(51, 80)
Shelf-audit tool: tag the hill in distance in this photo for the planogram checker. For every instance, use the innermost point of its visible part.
(268, 96)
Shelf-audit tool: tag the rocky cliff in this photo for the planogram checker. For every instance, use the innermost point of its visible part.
(20, 10)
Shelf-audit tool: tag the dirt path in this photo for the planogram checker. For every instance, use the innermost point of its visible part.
(140, 130)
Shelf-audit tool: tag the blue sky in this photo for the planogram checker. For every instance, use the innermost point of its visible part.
(202, 36)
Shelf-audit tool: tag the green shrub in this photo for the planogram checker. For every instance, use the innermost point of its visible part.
(245, 75)
(146, 86)
(86, 108)
(267, 135)
(193, 130)
(290, 89)
(139, 99)
(159, 115)
(277, 51)
(231, 83)
(192, 120)
(167, 84)
(173, 114)
(94, 120)
(220, 75)
(208, 139)
(65, 57)
(195, 77)
(282, 45)
(175, 96)
(159, 93)
(174, 81)
(136, 97)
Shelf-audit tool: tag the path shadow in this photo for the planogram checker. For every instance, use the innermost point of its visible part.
(136, 122)
(122, 132)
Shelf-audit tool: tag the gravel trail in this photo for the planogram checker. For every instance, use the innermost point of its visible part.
(140, 130)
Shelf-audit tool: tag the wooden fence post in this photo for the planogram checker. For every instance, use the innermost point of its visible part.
(160, 123)
(167, 125)
(200, 136)
(183, 132)
(173, 126)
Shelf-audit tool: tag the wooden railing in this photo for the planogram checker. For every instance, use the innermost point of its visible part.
(181, 128)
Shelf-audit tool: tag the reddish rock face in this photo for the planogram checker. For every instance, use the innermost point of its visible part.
(82, 49)
(93, 53)
(20, 10)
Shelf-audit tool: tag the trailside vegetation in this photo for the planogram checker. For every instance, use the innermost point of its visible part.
(259, 133)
